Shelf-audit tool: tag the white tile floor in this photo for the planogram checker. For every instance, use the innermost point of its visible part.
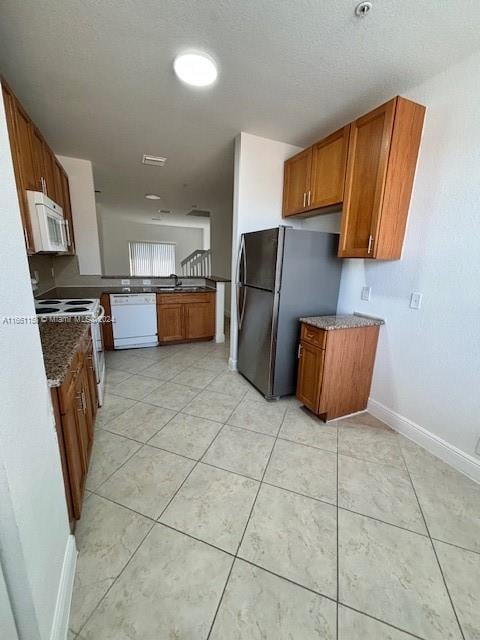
(214, 514)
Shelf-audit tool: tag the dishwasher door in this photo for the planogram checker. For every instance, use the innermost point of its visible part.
(134, 320)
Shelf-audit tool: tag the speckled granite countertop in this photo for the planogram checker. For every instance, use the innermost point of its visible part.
(60, 340)
(329, 323)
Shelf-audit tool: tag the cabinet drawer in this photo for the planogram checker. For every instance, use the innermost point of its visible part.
(316, 337)
(183, 298)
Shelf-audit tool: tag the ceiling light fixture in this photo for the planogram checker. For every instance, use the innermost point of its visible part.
(196, 69)
(152, 196)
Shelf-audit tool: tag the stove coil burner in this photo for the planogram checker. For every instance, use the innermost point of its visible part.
(49, 302)
(48, 310)
(76, 309)
(79, 302)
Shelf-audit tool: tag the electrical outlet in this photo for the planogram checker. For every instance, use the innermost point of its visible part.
(147, 282)
(366, 291)
(416, 300)
(125, 282)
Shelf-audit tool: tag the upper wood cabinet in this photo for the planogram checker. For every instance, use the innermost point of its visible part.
(35, 165)
(329, 161)
(315, 177)
(382, 158)
(367, 169)
(296, 182)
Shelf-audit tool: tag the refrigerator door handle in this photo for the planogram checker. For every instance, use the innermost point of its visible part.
(242, 314)
(240, 259)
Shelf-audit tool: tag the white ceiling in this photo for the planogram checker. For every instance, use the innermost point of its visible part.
(97, 78)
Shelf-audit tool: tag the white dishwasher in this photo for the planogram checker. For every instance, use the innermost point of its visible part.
(134, 320)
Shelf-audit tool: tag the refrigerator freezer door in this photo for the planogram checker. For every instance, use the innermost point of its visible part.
(258, 263)
(255, 337)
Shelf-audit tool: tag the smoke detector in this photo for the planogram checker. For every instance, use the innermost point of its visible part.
(156, 161)
(363, 8)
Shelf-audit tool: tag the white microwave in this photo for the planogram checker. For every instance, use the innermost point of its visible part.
(48, 224)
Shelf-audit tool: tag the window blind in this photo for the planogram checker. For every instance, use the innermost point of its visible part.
(151, 258)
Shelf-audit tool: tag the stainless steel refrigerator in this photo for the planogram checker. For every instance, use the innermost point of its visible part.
(283, 274)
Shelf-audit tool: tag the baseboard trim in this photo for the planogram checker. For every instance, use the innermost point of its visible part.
(65, 589)
(463, 462)
(232, 364)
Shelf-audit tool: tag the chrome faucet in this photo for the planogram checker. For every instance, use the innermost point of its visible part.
(178, 283)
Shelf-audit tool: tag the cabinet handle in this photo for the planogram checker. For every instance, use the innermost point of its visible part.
(299, 353)
(370, 243)
(80, 400)
(304, 199)
(309, 197)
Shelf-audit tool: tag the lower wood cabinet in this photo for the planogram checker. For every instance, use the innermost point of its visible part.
(335, 369)
(75, 407)
(182, 317)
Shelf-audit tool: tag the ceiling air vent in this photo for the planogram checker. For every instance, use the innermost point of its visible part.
(156, 161)
(201, 213)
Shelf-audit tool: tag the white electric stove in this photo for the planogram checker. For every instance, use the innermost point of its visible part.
(85, 308)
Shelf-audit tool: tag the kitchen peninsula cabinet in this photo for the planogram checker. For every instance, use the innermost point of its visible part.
(336, 355)
(185, 317)
(36, 167)
(367, 170)
(75, 406)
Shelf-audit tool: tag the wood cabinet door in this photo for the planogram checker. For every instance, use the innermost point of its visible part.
(49, 168)
(18, 134)
(296, 181)
(170, 322)
(309, 378)
(75, 463)
(107, 328)
(81, 420)
(329, 164)
(369, 145)
(37, 156)
(199, 320)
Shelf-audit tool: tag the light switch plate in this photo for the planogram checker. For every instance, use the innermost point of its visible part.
(366, 291)
(416, 300)
(125, 282)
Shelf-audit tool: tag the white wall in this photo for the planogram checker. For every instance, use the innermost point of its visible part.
(428, 361)
(34, 529)
(257, 201)
(117, 231)
(84, 213)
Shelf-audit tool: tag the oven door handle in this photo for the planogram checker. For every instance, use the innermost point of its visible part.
(101, 315)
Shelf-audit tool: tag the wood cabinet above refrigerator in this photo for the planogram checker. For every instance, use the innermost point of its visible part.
(367, 170)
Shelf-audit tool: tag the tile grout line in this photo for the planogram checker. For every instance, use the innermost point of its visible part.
(154, 522)
(115, 580)
(246, 525)
(433, 545)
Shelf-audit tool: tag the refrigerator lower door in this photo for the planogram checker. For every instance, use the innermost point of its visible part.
(256, 319)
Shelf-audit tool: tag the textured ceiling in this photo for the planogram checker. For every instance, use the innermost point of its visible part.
(97, 78)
